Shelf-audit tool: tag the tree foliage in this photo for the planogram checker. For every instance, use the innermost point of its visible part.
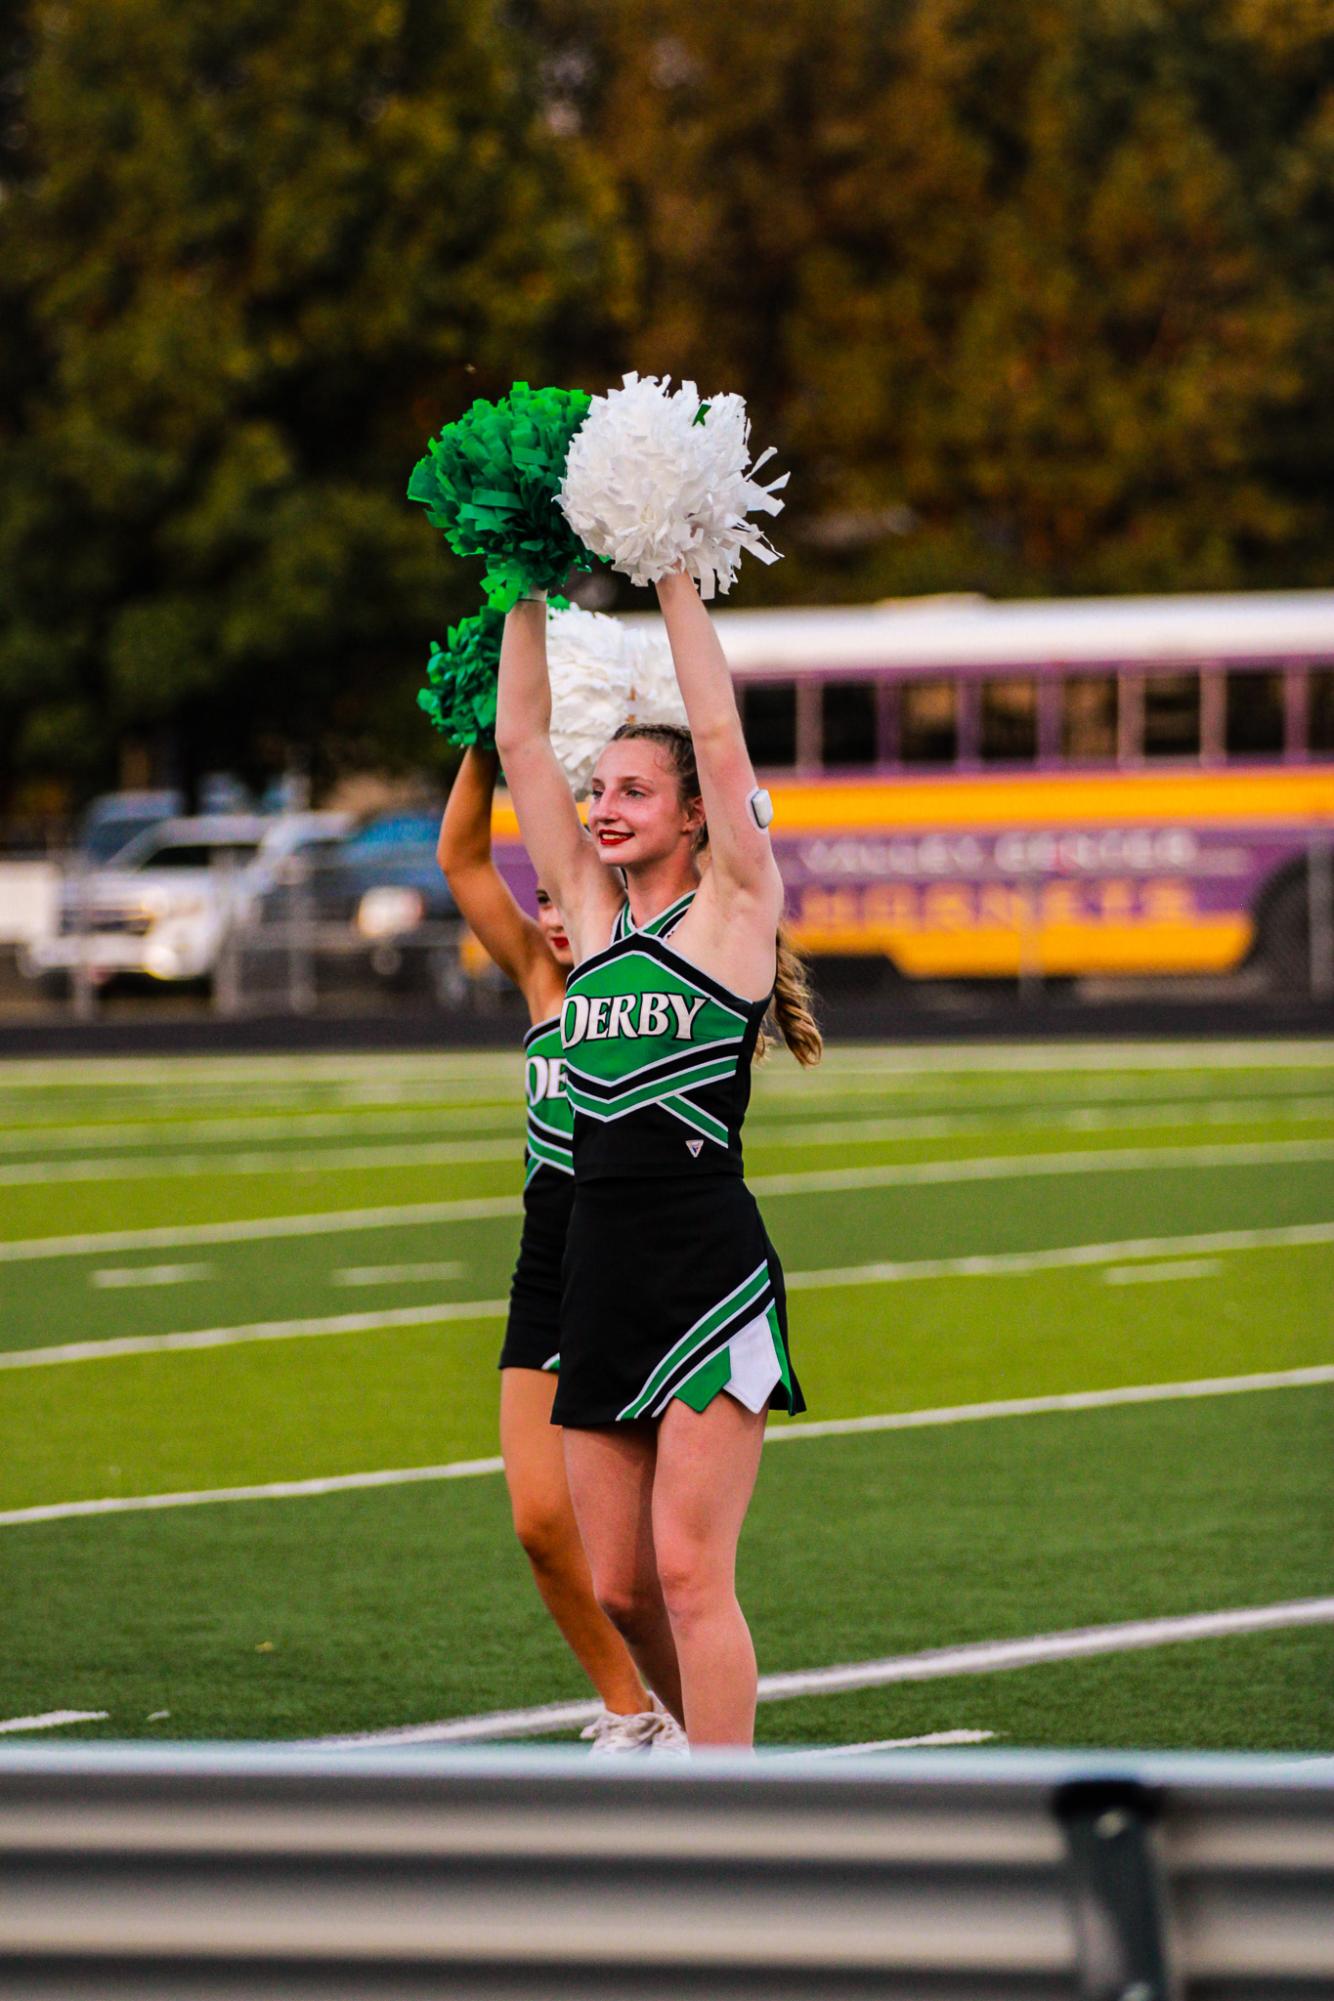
(1036, 296)
(258, 252)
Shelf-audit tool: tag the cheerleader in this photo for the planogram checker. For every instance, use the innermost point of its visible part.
(536, 957)
(674, 1339)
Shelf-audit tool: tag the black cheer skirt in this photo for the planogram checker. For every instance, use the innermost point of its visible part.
(532, 1332)
(671, 1289)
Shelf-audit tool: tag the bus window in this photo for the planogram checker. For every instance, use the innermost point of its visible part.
(848, 718)
(929, 723)
(1009, 722)
(1320, 716)
(1254, 725)
(1088, 719)
(1171, 715)
(770, 720)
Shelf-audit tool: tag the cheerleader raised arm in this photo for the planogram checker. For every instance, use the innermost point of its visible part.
(532, 952)
(731, 927)
(587, 895)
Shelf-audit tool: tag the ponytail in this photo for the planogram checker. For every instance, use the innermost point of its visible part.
(790, 1009)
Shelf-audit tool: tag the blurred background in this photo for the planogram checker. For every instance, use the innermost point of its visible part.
(1035, 299)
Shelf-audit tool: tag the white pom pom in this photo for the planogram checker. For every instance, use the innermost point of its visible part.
(655, 478)
(654, 694)
(590, 688)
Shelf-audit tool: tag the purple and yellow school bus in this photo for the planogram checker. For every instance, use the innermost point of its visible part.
(1099, 786)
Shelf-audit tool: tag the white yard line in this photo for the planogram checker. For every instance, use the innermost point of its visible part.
(1005, 1264)
(1001, 1264)
(1000, 1167)
(51, 1137)
(1082, 1643)
(903, 1069)
(276, 1490)
(176, 1166)
(934, 1664)
(54, 1138)
(835, 1132)
(258, 1330)
(1013, 1167)
(54, 1719)
(1315, 1377)
(387, 1216)
(282, 1067)
(1262, 1054)
(1158, 1274)
(1042, 1118)
(902, 1420)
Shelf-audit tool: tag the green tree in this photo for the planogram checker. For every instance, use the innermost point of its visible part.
(252, 255)
(1033, 295)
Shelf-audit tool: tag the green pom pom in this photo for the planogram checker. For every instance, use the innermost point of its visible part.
(489, 484)
(461, 698)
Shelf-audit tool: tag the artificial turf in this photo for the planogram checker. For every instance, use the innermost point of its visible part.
(371, 1609)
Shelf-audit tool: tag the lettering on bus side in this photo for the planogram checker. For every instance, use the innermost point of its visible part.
(969, 906)
(608, 1017)
(1074, 851)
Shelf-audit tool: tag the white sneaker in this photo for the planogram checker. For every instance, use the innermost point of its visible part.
(671, 1740)
(612, 1734)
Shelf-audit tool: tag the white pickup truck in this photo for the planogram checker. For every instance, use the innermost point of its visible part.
(164, 905)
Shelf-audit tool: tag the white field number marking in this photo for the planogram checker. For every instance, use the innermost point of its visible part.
(395, 1274)
(133, 1275)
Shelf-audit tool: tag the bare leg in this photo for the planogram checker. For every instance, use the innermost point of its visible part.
(611, 1474)
(707, 1462)
(544, 1523)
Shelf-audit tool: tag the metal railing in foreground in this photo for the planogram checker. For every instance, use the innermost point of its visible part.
(257, 1873)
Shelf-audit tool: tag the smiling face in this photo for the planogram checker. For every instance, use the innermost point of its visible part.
(553, 929)
(636, 813)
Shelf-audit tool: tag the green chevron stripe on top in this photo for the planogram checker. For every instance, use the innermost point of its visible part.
(648, 1090)
(550, 1113)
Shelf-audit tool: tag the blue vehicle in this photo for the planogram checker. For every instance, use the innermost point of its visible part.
(385, 882)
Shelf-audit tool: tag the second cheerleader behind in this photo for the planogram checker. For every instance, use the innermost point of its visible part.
(535, 954)
(673, 1325)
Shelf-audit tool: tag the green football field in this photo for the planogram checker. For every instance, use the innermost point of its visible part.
(285, 1276)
